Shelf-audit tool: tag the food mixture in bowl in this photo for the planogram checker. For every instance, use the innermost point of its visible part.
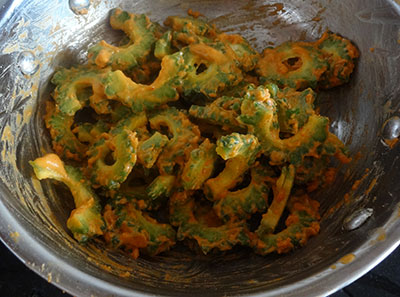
(186, 134)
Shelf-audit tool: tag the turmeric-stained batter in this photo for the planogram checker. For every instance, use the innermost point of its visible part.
(185, 133)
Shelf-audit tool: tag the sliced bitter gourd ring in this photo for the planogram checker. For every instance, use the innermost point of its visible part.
(69, 82)
(200, 166)
(222, 111)
(282, 191)
(259, 113)
(64, 141)
(133, 230)
(241, 152)
(85, 220)
(142, 34)
(185, 138)
(189, 30)
(150, 149)
(245, 56)
(240, 204)
(141, 97)
(89, 133)
(220, 237)
(209, 69)
(294, 108)
(341, 54)
(302, 223)
(293, 64)
(122, 143)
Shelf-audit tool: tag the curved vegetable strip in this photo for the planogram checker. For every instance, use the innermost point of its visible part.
(294, 108)
(151, 148)
(142, 34)
(245, 56)
(341, 55)
(241, 150)
(146, 97)
(236, 144)
(69, 82)
(222, 237)
(131, 229)
(89, 133)
(161, 186)
(185, 137)
(282, 190)
(188, 30)
(85, 220)
(222, 111)
(123, 143)
(259, 113)
(200, 166)
(302, 223)
(293, 64)
(240, 204)
(163, 46)
(64, 141)
(219, 69)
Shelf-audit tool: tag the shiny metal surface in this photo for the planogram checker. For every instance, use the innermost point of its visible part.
(39, 36)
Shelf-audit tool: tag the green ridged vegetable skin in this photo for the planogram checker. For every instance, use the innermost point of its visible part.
(184, 133)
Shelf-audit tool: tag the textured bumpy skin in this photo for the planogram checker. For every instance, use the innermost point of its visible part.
(221, 237)
(70, 82)
(200, 166)
(241, 204)
(223, 111)
(192, 121)
(123, 143)
(341, 54)
(133, 230)
(65, 143)
(139, 97)
(85, 220)
(302, 223)
(282, 191)
(185, 137)
(241, 152)
(293, 64)
(142, 34)
(259, 112)
(294, 108)
(151, 148)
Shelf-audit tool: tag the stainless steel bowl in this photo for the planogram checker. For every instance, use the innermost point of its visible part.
(38, 36)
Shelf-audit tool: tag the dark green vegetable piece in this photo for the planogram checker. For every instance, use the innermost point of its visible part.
(71, 82)
(222, 111)
(282, 191)
(185, 137)
(302, 223)
(64, 141)
(123, 145)
(240, 204)
(294, 108)
(259, 113)
(151, 148)
(133, 230)
(296, 65)
(208, 235)
(241, 152)
(142, 34)
(341, 54)
(200, 166)
(85, 221)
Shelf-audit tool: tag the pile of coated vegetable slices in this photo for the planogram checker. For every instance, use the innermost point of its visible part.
(183, 133)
